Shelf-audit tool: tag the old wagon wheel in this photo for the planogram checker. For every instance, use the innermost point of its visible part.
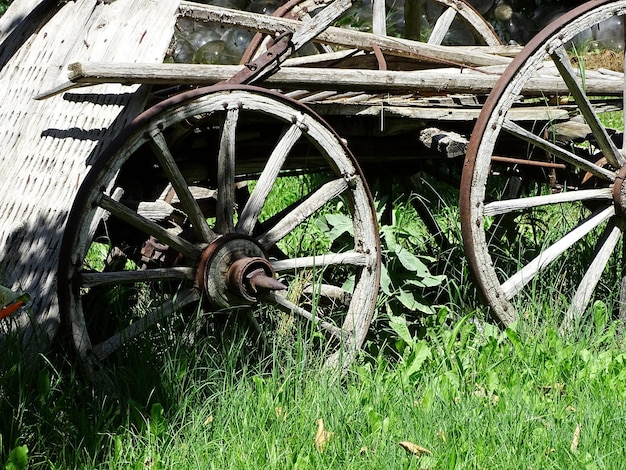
(451, 10)
(480, 28)
(162, 216)
(542, 203)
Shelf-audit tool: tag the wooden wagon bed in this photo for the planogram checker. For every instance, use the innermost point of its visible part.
(364, 105)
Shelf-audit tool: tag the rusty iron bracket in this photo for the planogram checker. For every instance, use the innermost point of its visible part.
(380, 57)
(266, 63)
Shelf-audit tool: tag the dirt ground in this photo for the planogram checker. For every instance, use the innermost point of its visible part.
(603, 59)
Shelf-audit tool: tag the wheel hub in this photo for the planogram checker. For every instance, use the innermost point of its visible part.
(234, 270)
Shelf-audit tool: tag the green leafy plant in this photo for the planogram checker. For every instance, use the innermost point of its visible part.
(18, 458)
(404, 274)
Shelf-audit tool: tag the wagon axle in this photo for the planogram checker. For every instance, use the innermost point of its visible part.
(235, 268)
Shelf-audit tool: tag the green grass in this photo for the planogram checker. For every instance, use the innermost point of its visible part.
(475, 397)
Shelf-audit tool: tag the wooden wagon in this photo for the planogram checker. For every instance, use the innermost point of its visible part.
(179, 213)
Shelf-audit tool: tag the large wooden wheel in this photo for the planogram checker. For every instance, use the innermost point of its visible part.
(462, 11)
(451, 11)
(543, 202)
(165, 223)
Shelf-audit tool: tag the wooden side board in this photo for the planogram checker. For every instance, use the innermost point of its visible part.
(48, 146)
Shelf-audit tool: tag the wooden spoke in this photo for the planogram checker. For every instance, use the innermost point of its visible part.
(299, 214)
(124, 213)
(442, 26)
(289, 307)
(188, 202)
(226, 173)
(250, 214)
(557, 151)
(102, 215)
(592, 277)
(379, 17)
(511, 205)
(104, 349)
(513, 285)
(94, 279)
(330, 259)
(330, 292)
(610, 151)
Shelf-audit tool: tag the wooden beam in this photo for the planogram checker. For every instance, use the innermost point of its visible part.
(440, 81)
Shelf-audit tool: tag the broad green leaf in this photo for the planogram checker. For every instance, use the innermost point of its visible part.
(421, 352)
(18, 459)
(385, 281)
(585, 355)
(412, 263)
(157, 420)
(493, 381)
(410, 302)
(428, 281)
(348, 284)
(600, 315)
(400, 327)
(340, 224)
(516, 342)
(388, 234)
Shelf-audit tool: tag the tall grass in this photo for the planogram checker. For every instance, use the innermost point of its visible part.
(469, 394)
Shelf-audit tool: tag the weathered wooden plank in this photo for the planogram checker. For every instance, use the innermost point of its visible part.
(441, 81)
(447, 143)
(19, 22)
(50, 145)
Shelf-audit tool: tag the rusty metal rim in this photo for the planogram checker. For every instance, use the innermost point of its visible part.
(618, 191)
(467, 179)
